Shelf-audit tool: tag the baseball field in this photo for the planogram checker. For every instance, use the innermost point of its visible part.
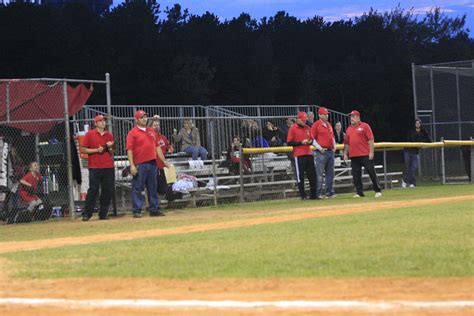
(410, 252)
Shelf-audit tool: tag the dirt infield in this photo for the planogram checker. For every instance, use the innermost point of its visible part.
(296, 214)
(373, 289)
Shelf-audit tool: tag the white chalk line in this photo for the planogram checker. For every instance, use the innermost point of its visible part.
(230, 304)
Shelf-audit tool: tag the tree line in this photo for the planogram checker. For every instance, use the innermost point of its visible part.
(171, 56)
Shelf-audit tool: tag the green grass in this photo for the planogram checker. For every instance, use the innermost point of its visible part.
(429, 241)
(66, 228)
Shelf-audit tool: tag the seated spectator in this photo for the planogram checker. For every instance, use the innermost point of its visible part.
(248, 130)
(233, 157)
(29, 187)
(271, 133)
(339, 136)
(284, 129)
(190, 140)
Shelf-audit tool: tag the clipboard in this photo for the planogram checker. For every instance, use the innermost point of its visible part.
(170, 174)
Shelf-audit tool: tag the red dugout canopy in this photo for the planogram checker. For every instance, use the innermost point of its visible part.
(34, 100)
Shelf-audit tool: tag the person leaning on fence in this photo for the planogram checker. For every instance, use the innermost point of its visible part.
(161, 162)
(29, 187)
(142, 151)
(412, 154)
(99, 145)
(339, 136)
(190, 140)
(359, 147)
(299, 136)
(323, 140)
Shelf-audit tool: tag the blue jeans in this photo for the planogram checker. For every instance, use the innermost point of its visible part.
(197, 151)
(411, 167)
(325, 169)
(146, 177)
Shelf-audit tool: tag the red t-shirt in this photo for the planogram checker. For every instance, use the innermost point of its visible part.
(143, 144)
(324, 135)
(299, 133)
(357, 137)
(94, 140)
(164, 144)
(32, 179)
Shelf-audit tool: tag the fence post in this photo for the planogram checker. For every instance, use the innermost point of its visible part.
(111, 129)
(68, 152)
(443, 171)
(7, 101)
(241, 173)
(472, 162)
(385, 168)
(214, 170)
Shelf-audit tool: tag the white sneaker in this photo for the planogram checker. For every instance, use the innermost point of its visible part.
(378, 194)
(412, 185)
(356, 196)
(404, 184)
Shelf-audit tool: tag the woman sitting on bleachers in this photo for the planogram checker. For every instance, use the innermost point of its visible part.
(190, 140)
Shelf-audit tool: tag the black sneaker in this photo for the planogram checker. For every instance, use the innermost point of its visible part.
(137, 215)
(153, 214)
(85, 218)
(104, 218)
(316, 198)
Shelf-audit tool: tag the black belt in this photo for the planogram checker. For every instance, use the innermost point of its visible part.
(151, 162)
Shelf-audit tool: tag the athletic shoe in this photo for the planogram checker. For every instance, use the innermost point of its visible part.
(153, 214)
(332, 196)
(356, 196)
(137, 215)
(85, 218)
(104, 218)
(404, 184)
(315, 198)
(412, 185)
(378, 194)
(304, 198)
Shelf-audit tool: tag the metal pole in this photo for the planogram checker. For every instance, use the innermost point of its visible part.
(443, 171)
(433, 115)
(214, 170)
(472, 162)
(7, 96)
(37, 155)
(68, 152)
(458, 99)
(111, 129)
(241, 173)
(385, 168)
(415, 101)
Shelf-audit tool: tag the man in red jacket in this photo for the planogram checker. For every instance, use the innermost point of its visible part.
(359, 147)
(299, 136)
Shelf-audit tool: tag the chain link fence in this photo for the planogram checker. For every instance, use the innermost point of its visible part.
(40, 173)
(444, 101)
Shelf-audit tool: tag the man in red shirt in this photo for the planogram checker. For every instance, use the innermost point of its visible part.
(142, 151)
(99, 144)
(323, 136)
(359, 146)
(166, 148)
(299, 136)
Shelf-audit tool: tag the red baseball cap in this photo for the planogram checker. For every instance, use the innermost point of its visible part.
(354, 113)
(140, 114)
(99, 118)
(323, 110)
(302, 116)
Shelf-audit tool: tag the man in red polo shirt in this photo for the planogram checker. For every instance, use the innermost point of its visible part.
(359, 146)
(99, 144)
(142, 151)
(323, 136)
(299, 136)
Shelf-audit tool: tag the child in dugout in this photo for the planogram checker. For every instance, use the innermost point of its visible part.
(29, 187)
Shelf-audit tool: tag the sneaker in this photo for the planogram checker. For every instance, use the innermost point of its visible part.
(332, 196)
(356, 196)
(85, 218)
(412, 185)
(378, 194)
(104, 218)
(137, 215)
(315, 198)
(153, 214)
(304, 198)
(404, 184)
